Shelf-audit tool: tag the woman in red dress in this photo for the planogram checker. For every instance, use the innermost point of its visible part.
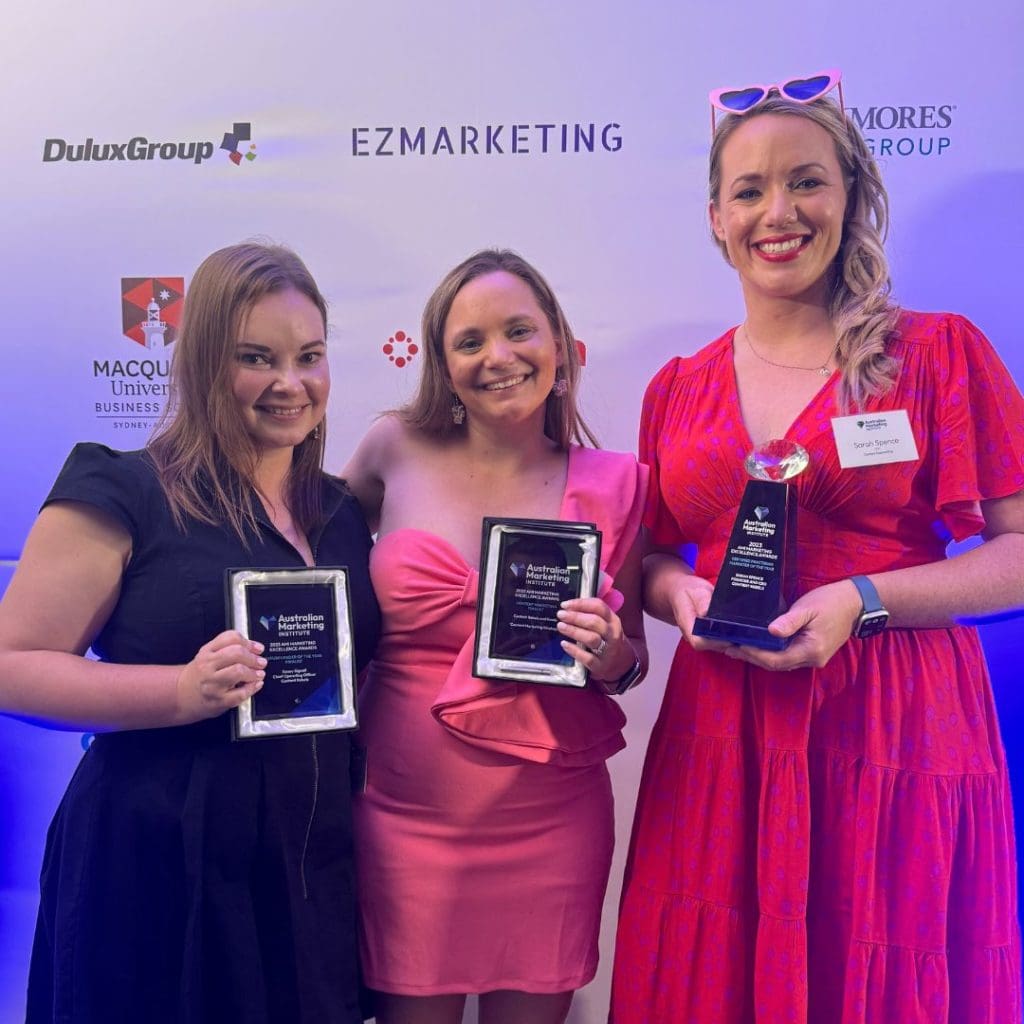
(824, 833)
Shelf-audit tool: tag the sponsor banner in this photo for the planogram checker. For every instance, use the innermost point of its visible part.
(128, 392)
(903, 130)
(516, 139)
(151, 309)
(237, 144)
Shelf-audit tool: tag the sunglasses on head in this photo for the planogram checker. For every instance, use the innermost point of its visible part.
(799, 90)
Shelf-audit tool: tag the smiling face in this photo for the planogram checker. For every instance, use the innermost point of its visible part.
(500, 350)
(780, 207)
(280, 378)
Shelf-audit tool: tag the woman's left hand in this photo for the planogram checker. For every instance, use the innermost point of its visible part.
(820, 623)
(596, 638)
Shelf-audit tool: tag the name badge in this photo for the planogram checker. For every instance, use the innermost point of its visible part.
(872, 439)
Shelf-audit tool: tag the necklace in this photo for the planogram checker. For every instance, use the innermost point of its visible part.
(822, 370)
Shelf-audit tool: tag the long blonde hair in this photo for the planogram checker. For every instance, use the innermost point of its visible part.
(203, 453)
(430, 408)
(862, 313)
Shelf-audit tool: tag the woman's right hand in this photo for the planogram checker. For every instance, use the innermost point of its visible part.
(65, 588)
(674, 594)
(225, 672)
(689, 599)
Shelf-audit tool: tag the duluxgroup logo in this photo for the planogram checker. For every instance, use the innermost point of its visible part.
(140, 148)
(891, 130)
(240, 132)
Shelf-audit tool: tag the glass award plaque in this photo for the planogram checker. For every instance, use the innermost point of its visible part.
(755, 584)
(528, 567)
(303, 619)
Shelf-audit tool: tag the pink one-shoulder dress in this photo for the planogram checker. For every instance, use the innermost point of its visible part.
(485, 833)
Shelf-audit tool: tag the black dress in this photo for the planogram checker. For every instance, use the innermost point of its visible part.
(187, 878)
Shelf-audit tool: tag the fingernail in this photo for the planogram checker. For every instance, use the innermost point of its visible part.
(562, 615)
(256, 646)
(262, 662)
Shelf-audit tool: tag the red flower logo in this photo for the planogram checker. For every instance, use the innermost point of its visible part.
(400, 348)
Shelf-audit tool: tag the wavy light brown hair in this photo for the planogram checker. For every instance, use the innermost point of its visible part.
(862, 313)
(430, 409)
(203, 453)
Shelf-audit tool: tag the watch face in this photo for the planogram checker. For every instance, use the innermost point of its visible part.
(870, 624)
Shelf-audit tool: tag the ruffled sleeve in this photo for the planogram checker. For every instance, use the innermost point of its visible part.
(657, 518)
(107, 480)
(609, 489)
(980, 426)
(550, 724)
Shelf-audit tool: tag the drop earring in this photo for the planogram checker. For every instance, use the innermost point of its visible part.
(458, 411)
(560, 388)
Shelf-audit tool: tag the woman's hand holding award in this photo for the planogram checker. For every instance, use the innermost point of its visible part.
(755, 583)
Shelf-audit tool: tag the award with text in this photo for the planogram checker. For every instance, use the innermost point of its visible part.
(528, 567)
(302, 617)
(755, 583)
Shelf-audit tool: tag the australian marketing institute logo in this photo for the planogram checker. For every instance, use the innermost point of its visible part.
(141, 148)
(890, 130)
(130, 389)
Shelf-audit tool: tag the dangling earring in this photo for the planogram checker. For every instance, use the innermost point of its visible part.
(315, 434)
(458, 411)
(560, 388)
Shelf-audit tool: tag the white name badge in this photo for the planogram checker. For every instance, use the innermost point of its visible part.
(872, 439)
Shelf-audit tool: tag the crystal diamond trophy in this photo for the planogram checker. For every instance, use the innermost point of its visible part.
(755, 584)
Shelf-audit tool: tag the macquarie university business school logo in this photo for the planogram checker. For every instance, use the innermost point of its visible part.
(141, 148)
(130, 389)
(151, 309)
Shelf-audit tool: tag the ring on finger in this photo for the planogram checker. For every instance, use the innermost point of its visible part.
(600, 648)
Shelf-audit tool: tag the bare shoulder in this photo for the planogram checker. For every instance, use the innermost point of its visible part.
(384, 445)
(378, 459)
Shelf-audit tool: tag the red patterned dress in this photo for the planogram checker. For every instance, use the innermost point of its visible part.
(835, 845)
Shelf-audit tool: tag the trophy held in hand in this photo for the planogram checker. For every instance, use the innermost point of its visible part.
(755, 583)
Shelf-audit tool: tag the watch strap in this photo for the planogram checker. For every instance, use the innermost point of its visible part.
(868, 594)
(873, 617)
(619, 686)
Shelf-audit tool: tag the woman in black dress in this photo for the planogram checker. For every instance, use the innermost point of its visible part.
(188, 878)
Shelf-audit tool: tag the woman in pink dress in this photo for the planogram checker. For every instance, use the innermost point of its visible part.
(486, 829)
(824, 833)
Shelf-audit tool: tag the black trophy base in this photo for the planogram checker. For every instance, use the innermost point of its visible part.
(744, 633)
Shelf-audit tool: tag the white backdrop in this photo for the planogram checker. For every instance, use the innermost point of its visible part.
(620, 231)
